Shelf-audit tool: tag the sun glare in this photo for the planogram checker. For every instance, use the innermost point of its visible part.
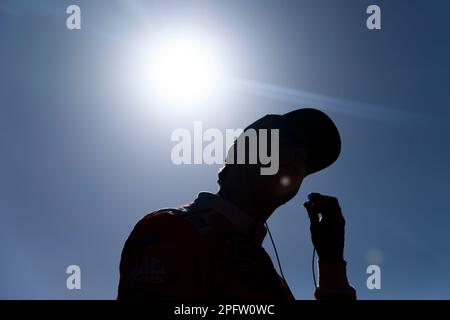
(184, 70)
(179, 70)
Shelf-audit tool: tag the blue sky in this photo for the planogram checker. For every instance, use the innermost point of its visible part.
(83, 157)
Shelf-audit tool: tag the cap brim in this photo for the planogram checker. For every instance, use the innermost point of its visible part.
(316, 132)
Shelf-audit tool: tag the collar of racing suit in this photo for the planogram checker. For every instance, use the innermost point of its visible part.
(247, 224)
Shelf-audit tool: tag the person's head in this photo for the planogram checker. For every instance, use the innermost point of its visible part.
(275, 189)
(308, 141)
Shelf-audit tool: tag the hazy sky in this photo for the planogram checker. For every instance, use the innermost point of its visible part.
(84, 154)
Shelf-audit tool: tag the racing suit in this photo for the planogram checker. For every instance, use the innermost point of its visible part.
(209, 250)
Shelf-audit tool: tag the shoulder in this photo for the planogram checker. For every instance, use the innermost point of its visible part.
(164, 219)
(171, 225)
(161, 233)
(172, 219)
(165, 224)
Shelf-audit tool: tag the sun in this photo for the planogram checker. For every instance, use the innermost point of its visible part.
(184, 70)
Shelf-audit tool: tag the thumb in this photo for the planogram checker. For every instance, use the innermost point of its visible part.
(312, 212)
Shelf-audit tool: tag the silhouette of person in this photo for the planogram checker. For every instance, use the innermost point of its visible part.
(212, 248)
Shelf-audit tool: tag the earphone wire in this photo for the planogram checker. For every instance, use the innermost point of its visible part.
(276, 252)
(313, 262)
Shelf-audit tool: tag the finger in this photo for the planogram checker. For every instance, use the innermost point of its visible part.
(332, 214)
(312, 212)
(324, 204)
(323, 200)
(314, 196)
(328, 206)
